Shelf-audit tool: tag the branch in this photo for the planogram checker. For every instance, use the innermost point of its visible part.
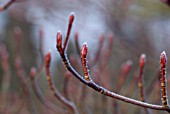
(107, 52)
(98, 51)
(99, 88)
(76, 38)
(141, 80)
(41, 38)
(52, 86)
(24, 83)
(71, 19)
(5, 6)
(163, 80)
(40, 96)
(6, 77)
(124, 71)
(66, 85)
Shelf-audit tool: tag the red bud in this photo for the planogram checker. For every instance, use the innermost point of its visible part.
(84, 50)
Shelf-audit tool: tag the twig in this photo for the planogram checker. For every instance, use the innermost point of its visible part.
(101, 89)
(5, 6)
(71, 19)
(163, 80)
(41, 37)
(124, 71)
(98, 51)
(107, 52)
(40, 96)
(6, 69)
(66, 85)
(62, 99)
(141, 80)
(24, 84)
(76, 39)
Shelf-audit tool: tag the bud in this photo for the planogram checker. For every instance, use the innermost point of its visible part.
(47, 59)
(59, 41)
(142, 60)
(32, 72)
(84, 50)
(71, 18)
(163, 59)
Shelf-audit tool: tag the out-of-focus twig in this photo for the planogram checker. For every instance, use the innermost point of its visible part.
(62, 99)
(39, 94)
(141, 80)
(7, 5)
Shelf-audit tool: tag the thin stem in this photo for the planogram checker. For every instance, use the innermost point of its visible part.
(124, 71)
(141, 80)
(24, 84)
(163, 80)
(98, 51)
(71, 19)
(76, 39)
(5, 68)
(53, 89)
(107, 52)
(5, 6)
(41, 37)
(40, 96)
(66, 85)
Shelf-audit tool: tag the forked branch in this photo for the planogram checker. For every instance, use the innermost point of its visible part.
(87, 80)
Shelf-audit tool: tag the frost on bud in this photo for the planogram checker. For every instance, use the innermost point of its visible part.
(163, 59)
(84, 50)
(32, 72)
(47, 59)
(59, 41)
(142, 60)
(71, 18)
(163, 80)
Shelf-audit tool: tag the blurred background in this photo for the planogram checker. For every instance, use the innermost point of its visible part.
(137, 26)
